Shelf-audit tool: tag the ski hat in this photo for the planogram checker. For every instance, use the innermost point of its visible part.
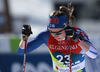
(57, 21)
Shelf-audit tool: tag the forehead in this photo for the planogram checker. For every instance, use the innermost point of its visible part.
(55, 29)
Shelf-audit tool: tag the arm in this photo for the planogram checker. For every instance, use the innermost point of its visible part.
(35, 43)
(81, 38)
(31, 45)
(86, 45)
(26, 31)
(74, 33)
(89, 49)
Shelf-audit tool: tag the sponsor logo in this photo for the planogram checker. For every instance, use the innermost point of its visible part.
(68, 70)
(54, 20)
(60, 47)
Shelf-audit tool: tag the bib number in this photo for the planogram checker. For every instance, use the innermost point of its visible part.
(63, 59)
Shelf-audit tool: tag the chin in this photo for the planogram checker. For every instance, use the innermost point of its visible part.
(59, 39)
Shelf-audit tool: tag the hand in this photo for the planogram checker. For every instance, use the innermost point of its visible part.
(26, 31)
(71, 33)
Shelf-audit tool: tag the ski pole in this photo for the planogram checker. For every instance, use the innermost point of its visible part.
(24, 60)
(69, 53)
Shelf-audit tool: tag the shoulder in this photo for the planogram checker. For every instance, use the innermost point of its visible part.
(77, 29)
(80, 32)
(44, 35)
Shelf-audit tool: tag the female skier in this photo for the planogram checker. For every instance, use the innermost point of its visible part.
(67, 45)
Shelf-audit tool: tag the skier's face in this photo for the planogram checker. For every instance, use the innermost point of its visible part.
(58, 33)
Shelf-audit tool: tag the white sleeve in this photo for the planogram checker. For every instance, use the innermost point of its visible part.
(92, 53)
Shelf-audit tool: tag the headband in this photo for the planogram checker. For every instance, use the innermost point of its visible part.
(57, 21)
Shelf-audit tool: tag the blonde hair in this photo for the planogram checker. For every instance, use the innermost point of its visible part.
(63, 10)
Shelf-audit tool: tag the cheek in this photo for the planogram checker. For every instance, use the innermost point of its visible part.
(63, 34)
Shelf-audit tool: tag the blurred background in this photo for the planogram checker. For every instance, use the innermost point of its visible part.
(15, 13)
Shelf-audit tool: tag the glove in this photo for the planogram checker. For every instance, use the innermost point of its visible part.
(71, 33)
(26, 31)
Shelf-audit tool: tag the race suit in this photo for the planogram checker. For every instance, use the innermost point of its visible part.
(59, 51)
